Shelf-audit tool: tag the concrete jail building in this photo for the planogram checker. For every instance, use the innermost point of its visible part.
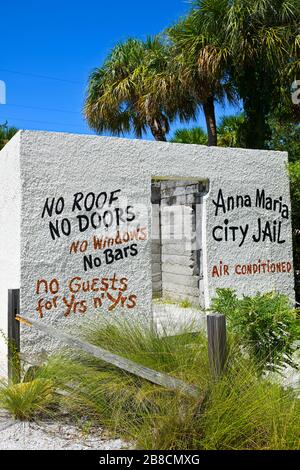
(95, 227)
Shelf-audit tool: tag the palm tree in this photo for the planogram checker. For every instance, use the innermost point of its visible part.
(229, 130)
(203, 59)
(222, 49)
(121, 94)
(195, 135)
(6, 133)
(228, 133)
(256, 41)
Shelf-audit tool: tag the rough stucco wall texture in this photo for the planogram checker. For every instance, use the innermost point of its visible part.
(10, 223)
(57, 165)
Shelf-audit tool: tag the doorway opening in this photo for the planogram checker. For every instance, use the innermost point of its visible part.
(177, 239)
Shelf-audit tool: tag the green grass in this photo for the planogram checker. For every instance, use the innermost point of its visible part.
(243, 410)
(27, 400)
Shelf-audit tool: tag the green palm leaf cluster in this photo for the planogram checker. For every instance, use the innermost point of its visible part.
(232, 50)
(133, 90)
(228, 133)
(195, 135)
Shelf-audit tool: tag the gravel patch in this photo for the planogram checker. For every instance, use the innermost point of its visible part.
(17, 435)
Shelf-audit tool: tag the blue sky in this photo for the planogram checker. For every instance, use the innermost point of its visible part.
(66, 40)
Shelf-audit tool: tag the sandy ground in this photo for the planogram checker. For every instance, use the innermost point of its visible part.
(16, 435)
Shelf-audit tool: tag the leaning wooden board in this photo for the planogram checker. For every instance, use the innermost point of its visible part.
(118, 361)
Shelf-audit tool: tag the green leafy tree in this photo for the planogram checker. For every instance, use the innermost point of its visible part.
(285, 136)
(6, 133)
(294, 171)
(285, 130)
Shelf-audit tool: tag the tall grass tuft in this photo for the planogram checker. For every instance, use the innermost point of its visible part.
(25, 401)
(242, 410)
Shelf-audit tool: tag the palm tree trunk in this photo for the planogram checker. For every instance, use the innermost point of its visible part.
(158, 134)
(158, 129)
(158, 123)
(209, 111)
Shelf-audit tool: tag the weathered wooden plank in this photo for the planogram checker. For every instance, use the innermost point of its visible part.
(118, 361)
(217, 349)
(13, 333)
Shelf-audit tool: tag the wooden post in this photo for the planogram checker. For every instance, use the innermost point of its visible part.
(217, 349)
(13, 329)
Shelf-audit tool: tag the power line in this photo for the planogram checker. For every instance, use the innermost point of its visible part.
(39, 108)
(45, 77)
(44, 122)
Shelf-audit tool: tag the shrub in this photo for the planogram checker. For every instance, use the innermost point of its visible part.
(265, 324)
(28, 399)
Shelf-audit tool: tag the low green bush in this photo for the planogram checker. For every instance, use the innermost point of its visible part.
(266, 326)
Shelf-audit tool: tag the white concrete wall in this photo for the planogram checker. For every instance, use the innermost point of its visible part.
(56, 164)
(10, 243)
